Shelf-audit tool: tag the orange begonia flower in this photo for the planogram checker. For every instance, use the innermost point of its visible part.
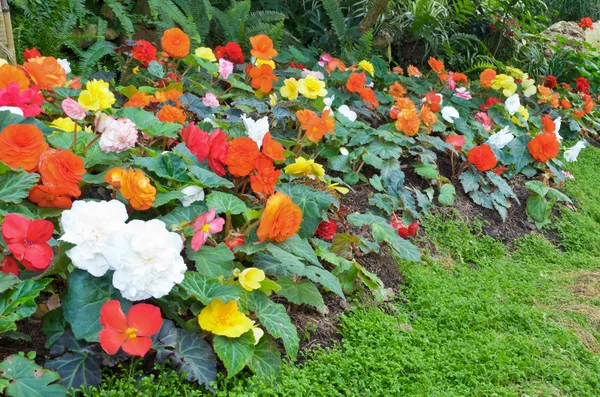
(51, 197)
(262, 47)
(271, 148)
(397, 90)
(544, 147)
(304, 116)
(138, 100)
(544, 93)
(482, 157)
(413, 71)
(175, 43)
(460, 78)
(356, 82)
(265, 178)
(172, 95)
(333, 64)
(317, 127)
(62, 169)
(443, 76)
(398, 70)
(262, 77)
(408, 122)
(486, 78)
(114, 176)
(588, 106)
(549, 125)
(171, 114)
(566, 104)
(22, 145)
(405, 103)
(578, 113)
(242, 156)
(436, 66)
(368, 95)
(429, 117)
(136, 187)
(280, 220)
(12, 74)
(45, 72)
(554, 100)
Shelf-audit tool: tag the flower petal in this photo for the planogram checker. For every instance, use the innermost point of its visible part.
(39, 255)
(198, 240)
(216, 226)
(40, 231)
(137, 346)
(112, 316)
(14, 226)
(145, 318)
(111, 340)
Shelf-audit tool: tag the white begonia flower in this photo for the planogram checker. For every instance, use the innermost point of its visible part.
(192, 194)
(557, 123)
(501, 138)
(12, 109)
(65, 65)
(3, 61)
(88, 225)
(211, 121)
(146, 258)
(256, 129)
(347, 112)
(328, 102)
(318, 75)
(529, 87)
(344, 151)
(572, 153)
(118, 135)
(512, 103)
(450, 114)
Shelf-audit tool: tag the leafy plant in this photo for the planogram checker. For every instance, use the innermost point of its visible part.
(541, 202)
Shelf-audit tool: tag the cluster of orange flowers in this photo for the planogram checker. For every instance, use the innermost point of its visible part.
(262, 74)
(314, 126)
(404, 111)
(356, 83)
(134, 185)
(168, 113)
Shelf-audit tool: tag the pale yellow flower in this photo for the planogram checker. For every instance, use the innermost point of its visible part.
(524, 113)
(303, 167)
(505, 83)
(250, 278)
(67, 125)
(311, 87)
(289, 89)
(205, 53)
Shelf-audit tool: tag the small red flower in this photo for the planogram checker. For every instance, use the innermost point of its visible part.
(327, 229)
(457, 141)
(234, 240)
(586, 23)
(28, 240)
(550, 81)
(144, 52)
(413, 228)
(489, 103)
(433, 101)
(31, 53)
(133, 332)
(403, 230)
(297, 65)
(231, 51)
(9, 266)
(582, 85)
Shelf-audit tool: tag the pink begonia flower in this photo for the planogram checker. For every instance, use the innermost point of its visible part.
(118, 136)
(210, 100)
(450, 83)
(307, 72)
(324, 59)
(30, 100)
(204, 226)
(73, 109)
(463, 93)
(225, 68)
(485, 120)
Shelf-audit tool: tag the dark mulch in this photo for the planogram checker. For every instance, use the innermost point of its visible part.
(31, 329)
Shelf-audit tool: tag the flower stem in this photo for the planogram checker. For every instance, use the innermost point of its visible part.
(91, 143)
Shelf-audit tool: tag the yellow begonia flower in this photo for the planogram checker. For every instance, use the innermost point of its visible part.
(311, 87)
(96, 96)
(258, 333)
(224, 319)
(528, 85)
(524, 113)
(250, 278)
(260, 62)
(505, 83)
(516, 73)
(367, 67)
(136, 70)
(336, 186)
(273, 99)
(305, 168)
(205, 53)
(289, 89)
(67, 125)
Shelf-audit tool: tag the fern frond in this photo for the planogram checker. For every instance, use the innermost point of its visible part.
(95, 53)
(122, 16)
(334, 12)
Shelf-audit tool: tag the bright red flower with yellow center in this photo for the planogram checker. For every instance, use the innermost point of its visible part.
(133, 332)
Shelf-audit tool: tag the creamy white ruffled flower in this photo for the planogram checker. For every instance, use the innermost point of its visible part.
(88, 225)
(119, 135)
(450, 114)
(512, 103)
(65, 65)
(557, 123)
(572, 153)
(192, 194)
(256, 129)
(347, 112)
(12, 109)
(146, 258)
(501, 138)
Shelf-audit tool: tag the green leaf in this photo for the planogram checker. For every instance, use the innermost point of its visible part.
(238, 84)
(54, 326)
(213, 261)
(194, 356)
(323, 277)
(19, 303)
(155, 69)
(166, 197)
(27, 379)
(301, 248)
(205, 289)
(168, 165)
(447, 194)
(7, 281)
(274, 318)
(234, 352)
(225, 203)
(312, 202)
(85, 297)
(427, 171)
(183, 214)
(537, 187)
(383, 232)
(301, 292)
(206, 178)
(266, 360)
(149, 123)
(469, 181)
(520, 152)
(385, 150)
(538, 208)
(15, 185)
(385, 202)
(558, 196)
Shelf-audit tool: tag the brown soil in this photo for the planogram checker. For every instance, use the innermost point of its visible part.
(32, 329)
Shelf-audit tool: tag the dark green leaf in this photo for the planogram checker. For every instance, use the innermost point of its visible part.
(205, 289)
(234, 352)
(301, 292)
(213, 261)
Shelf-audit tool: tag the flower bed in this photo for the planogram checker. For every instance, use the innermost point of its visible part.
(185, 201)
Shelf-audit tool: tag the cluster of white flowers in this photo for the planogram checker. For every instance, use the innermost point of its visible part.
(145, 256)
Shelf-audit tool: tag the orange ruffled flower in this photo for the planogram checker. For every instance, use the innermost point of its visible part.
(317, 127)
(175, 43)
(12, 74)
(136, 187)
(356, 82)
(265, 178)
(304, 116)
(46, 196)
(22, 145)
(171, 114)
(408, 122)
(45, 72)
(429, 117)
(460, 78)
(169, 95)
(544, 147)
(280, 220)
(436, 66)
(262, 77)
(242, 156)
(486, 78)
(397, 90)
(272, 149)
(262, 47)
(138, 100)
(566, 104)
(549, 125)
(114, 176)
(405, 103)
(333, 64)
(62, 169)
(554, 100)
(482, 157)
(368, 95)
(413, 71)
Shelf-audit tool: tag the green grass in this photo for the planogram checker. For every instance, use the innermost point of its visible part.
(474, 319)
